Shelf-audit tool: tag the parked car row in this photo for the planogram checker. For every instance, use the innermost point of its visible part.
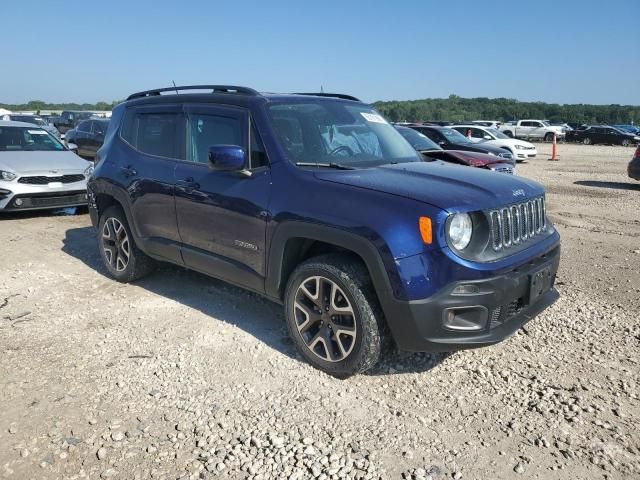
(603, 134)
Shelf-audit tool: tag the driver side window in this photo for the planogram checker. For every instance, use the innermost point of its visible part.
(204, 130)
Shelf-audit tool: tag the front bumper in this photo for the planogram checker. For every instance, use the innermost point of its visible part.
(497, 307)
(43, 201)
(525, 154)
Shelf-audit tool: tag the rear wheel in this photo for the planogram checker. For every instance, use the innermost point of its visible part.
(509, 133)
(333, 316)
(121, 256)
(626, 142)
(586, 141)
(548, 137)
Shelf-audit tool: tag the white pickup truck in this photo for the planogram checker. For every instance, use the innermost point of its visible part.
(532, 129)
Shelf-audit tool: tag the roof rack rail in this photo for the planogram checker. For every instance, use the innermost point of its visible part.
(334, 95)
(213, 88)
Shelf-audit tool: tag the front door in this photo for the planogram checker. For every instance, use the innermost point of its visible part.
(222, 216)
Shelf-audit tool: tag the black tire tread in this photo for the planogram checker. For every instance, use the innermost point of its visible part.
(356, 280)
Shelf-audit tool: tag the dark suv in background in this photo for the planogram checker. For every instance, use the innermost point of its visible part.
(88, 136)
(450, 139)
(318, 203)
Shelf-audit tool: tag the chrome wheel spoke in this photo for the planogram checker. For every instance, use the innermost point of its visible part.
(325, 319)
(115, 244)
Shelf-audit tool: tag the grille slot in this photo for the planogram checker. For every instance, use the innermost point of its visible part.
(518, 223)
(43, 180)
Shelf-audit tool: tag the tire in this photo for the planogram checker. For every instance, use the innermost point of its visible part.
(548, 137)
(626, 142)
(352, 308)
(122, 258)
(586, 141)
(509, 133)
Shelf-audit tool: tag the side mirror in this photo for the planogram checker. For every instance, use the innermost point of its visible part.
(487, 137)
(73, 147)
(228, 158)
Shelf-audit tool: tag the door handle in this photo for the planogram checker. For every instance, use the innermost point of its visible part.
(188, 182)
(128, 171)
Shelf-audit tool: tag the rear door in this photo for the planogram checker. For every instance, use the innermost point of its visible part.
(155, 138)
(222, 216)
(98, 129)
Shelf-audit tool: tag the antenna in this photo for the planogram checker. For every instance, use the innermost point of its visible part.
(174, 86)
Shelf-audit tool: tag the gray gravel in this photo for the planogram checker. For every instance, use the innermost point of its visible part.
(181, 376)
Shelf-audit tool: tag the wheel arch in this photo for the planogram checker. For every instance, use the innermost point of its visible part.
(105, 195)
(294, 242)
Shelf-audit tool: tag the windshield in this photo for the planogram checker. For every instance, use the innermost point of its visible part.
(27, 139)
(454, 136)
(417, 140)
(497, 133)
(334, 132)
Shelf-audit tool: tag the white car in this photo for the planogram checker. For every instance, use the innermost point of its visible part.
(520, 149)
(37, 171)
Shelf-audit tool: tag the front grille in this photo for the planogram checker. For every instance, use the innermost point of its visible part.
(49, 200)
(518, 223)
(43, 180)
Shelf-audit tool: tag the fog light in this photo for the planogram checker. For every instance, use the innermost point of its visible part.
(18, 202)
(468, 319)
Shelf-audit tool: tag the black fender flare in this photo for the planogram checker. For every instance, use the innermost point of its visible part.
(357, 244)
(104, 187)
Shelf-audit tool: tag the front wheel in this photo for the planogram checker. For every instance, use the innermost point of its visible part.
(333, 316)
(626, 142)
(548, 137)
(123, 259)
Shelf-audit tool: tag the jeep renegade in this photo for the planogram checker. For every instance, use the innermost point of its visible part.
(318, 203)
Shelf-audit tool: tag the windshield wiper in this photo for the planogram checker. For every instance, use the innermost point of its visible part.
(337, 166)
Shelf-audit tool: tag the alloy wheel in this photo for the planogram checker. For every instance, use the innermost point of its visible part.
(115, 243)
(587, 141)
(325, 319)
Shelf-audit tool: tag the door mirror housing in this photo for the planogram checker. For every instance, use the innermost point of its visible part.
(228, 158)
(73, 147)
(487, 137)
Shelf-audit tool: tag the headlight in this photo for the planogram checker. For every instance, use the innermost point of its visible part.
(460, 230)
(88, 171)
(520, 147)
(8, 176)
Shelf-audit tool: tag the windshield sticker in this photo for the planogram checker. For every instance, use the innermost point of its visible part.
(37, 132)
(373, 117)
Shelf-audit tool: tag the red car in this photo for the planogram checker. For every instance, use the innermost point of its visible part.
(634, 166)
(432, 151)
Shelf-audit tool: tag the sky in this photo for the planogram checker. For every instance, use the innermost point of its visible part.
(569, 51)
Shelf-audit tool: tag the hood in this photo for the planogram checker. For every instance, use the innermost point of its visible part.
(446, 186)
(23, 162)
(473, 159)
(478, 147)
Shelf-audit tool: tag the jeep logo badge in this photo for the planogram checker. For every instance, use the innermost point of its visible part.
(518, 193)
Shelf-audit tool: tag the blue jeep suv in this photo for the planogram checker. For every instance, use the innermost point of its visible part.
(318, 203)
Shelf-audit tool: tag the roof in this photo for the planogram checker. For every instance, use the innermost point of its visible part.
(11, 123)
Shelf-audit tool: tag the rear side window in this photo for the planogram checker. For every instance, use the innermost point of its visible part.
(153, 133)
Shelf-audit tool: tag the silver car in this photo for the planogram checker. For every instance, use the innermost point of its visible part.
(37, 171)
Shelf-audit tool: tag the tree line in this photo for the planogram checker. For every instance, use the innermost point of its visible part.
(37, 105)
(454, 109)
(458, 109)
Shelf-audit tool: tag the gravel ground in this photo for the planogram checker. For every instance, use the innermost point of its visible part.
(182, 376)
